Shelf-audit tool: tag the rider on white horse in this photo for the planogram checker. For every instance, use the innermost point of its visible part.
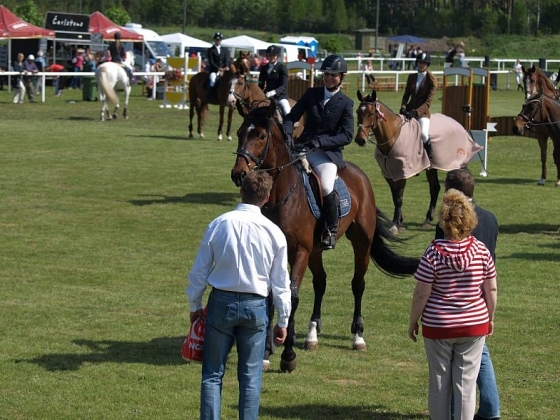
(117, 53)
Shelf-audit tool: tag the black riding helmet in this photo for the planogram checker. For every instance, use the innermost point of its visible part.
(334, 64)
(117, 36)
(425, 57)
(273, 50)
(218, 35)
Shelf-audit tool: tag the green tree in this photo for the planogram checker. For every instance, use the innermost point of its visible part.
(29, 12)
(118, 15)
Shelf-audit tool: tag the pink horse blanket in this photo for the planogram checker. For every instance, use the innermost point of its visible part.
(452, 146)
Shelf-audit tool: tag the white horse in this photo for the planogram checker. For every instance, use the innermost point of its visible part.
(110, 78)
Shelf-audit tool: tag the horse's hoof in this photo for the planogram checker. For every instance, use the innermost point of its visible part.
(358, 343)
(220, 137)
(542, 181)
(394, 230)
(201, 135)
(266, 365)
(229, 138)
(557, 185)
(286, 366)
(311, 345)
(426, 225)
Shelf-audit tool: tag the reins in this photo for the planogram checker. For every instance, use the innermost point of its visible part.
(373, 125)
(530, 121)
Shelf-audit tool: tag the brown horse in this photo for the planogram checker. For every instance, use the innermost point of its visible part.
(261, 146)
(198, 87)
(543, 112)
(534, 81)
(400, 153)
(246, 94)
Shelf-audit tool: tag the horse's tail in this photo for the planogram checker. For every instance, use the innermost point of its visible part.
(105, 85)
(384, 257)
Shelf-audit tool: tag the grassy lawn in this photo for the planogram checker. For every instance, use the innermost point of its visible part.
(100, 223)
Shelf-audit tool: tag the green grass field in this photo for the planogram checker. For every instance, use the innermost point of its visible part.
(100, 223)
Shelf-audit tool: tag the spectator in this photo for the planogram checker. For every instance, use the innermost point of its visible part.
(149, 80)
(29, 74)
(485, 231)
(17, 81)
(58, 81)
(518, 70)
(78, 66)
(41, 64)
(411, 53)
(368, 69)
(255, 62)
(243, 256)
(456, 296)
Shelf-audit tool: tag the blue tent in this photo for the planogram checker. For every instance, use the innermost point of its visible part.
(406, 39)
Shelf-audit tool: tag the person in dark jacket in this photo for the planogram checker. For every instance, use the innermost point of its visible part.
(417, 98)
(117, 50)
(329, 126)
(273, 79)
(218, 62)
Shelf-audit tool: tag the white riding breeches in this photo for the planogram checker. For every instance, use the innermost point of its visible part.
(213, 79)
(325, 169)
(285, 105)
(424, 128)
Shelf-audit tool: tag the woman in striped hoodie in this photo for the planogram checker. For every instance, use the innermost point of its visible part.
(455, 296)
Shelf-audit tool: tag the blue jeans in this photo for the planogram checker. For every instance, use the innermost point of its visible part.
(75, 80)
(241, 318)
(489, 406)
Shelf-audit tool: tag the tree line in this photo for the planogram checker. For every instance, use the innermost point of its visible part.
(425, 18)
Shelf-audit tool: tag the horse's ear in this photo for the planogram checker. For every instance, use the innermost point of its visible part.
(359, 95)
(533, 68)
(373, 95)
(523, 69)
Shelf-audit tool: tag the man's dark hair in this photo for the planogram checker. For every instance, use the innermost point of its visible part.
(255, 187)
(460, 179)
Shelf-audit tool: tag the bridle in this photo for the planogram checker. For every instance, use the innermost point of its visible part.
(530, 120)
(241, 98)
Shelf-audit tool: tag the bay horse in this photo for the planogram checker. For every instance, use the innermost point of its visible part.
(262, 147)
(401, 155)
(198, 87)
(111, 77)
(246, 94)
(543, 112)
(534, 81)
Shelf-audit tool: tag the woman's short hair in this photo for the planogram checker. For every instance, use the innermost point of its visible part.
(457, 217)
(255, 187)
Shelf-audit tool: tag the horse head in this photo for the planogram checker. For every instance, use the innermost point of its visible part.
(368, 114)
(535, 81)
(241, 66)
(529, 111)
(129, 60)
(261, 144)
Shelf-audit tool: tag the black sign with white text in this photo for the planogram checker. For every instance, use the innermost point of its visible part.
(67, 22)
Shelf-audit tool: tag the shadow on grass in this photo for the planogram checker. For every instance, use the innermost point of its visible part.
(80, 118)
(323, 411)
(506, 181)
(174, 138)
(539, 228)
(223, 199)
(158, 351)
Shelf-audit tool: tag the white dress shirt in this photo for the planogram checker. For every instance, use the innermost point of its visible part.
(243, 251)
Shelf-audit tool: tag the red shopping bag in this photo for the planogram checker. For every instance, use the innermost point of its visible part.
(193, 345)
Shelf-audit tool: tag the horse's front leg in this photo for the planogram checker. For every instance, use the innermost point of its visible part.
(319, 288)
(229, 120)
(556, 157)
(433, 181)
(362, 250)
(397, 193)
(221, 122)
(543, 144)
(269, 343)
(125, 108)
(288, 360)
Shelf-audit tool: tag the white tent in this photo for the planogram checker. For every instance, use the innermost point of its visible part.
(183, 41)
(245, 43)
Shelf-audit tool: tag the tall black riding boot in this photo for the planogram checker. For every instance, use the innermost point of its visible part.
(429, 151)
(330, 215)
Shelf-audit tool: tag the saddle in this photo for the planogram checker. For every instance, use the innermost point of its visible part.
(312, 185)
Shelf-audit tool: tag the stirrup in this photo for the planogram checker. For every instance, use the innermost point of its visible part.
(328, 239)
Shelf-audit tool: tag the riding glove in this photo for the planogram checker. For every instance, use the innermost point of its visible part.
(299, 148)
(313, 144)
(270, 94)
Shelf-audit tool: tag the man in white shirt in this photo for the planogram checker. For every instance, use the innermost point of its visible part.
(243, 256)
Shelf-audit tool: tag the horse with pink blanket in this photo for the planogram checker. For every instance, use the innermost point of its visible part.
(400, 153)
